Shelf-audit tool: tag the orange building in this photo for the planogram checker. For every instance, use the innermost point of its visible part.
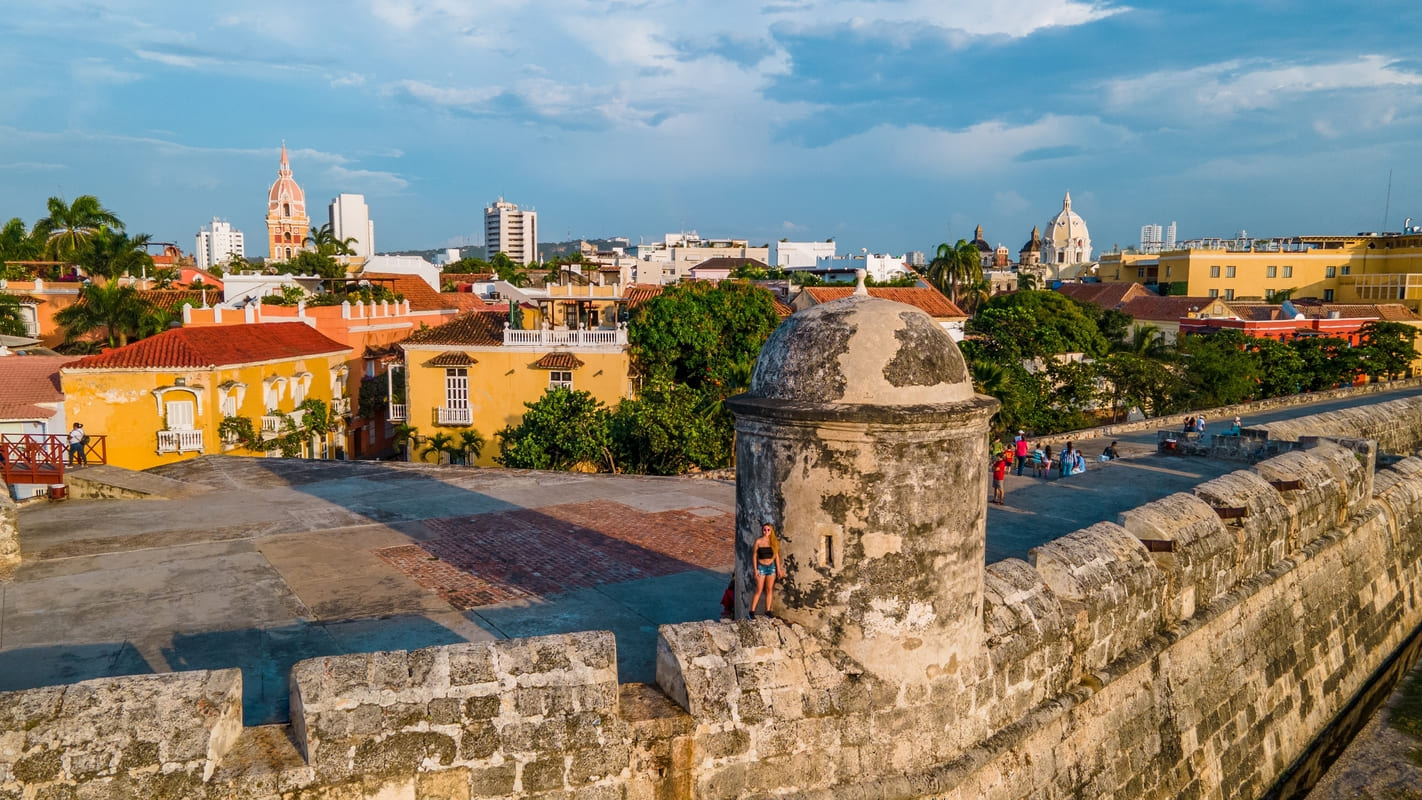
(287, 223)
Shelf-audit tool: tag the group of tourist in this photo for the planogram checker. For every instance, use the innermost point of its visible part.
(1039, 459)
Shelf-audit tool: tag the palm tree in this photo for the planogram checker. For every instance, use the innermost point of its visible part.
(440, 444)
(11, 321)
(69, 227)
(1027, 281)
(1147, 340)
(973, 294)
(112, 253)
(119, 310)
(406, 437)
(954, 266)
(324, 241)
(470, 445)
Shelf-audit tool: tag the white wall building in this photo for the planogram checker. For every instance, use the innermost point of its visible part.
(879, 267)
(671, 259)
(217, 243)
(449, 256)
(1168, 243)
(350, 219)
(511, 231)
(789, 255)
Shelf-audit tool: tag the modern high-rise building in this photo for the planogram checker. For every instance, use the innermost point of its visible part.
(1169, 242)
(350, 219)
(287, 223)
(1150, 238)
(217, 244)
(511, 232)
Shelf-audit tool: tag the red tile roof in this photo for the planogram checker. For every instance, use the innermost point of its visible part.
(464, 301)
(26, 381)
(1162, 309)
(930, 300)
(472, 328)
(452, 360)
(781, 309)
(216, 346)
(557, 361)
(639, 293)
(464, 277)
(415, 290)
(1105, 295)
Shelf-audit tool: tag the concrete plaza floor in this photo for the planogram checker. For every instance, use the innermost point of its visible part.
(259, 563)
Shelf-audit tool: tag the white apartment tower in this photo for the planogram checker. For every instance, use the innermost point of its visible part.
(217, 243)
(1155, 239)
(511, 231)
(350, 219)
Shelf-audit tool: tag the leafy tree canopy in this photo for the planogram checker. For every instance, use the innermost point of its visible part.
(562, 430)
(666, 431)
(703, 336)
(1039, 323)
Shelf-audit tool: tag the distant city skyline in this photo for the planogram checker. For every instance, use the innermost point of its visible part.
(887, 126)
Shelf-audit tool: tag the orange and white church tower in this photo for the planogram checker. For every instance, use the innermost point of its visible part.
(287, 223)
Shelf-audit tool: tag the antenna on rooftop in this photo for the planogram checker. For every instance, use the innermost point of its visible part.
(1387, 206)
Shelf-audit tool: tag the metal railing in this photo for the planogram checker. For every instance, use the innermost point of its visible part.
(179, 442)
(399, 412)
(595, 337)
(453, 415)
(41, 457)
(341, 406)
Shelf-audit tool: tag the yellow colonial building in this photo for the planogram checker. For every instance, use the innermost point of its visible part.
(1366, 268)
(476, 371)
(164, 399)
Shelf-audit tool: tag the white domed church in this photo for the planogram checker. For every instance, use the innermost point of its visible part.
(1066, 241)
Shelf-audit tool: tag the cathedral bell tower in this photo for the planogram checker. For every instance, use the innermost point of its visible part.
(287, 223)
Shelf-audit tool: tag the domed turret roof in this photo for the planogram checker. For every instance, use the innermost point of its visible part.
(979, 242)
(285, 190)
(1034, 244)
(861, 350)
(1067, 228)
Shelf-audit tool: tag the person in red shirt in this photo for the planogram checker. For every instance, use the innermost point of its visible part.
(999, 474)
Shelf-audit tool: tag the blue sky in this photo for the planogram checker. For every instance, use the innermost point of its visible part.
(889, 126)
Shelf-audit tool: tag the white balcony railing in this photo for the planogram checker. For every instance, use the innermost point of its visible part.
(399, 412)
(341, 406)
(275, 425)
(179, 442)
(596, 337)
(455, 415)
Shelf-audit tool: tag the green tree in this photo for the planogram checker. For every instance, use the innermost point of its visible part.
(310, 262)
(1281, 368)
(1027, 282)
(1146, 341)
(69, 226)
(12, 323)
(19, 244)
(439, 445)
(1133, 379)
(666, 431)
(471, 444)
(954, 266)
(110, 254)
(1221, 369)
(324, 241)
(405, 439)
(118, 310)
(1387, 349)
(563, 430)
(702, 336)
(1038, 324)
(1329, 362)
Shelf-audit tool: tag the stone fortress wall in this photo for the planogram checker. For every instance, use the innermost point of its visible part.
(1193, 648)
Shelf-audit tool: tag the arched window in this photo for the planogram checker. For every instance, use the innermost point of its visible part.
(286, 209)
(288, 252)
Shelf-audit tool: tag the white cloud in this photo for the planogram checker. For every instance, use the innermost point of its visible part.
(1232, 87)
(466, 97)
(367, 181)
(176, 60)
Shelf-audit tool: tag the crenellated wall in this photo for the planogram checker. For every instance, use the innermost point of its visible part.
(1191, 648)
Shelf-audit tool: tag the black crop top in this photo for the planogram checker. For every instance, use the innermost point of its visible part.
(764, 553)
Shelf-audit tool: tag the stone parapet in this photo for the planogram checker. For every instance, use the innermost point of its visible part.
(141, 736)
(9, 530)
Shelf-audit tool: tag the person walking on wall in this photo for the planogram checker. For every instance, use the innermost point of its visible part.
(1021, 450)
(1046, 462)
(77, 438)
(768, 567)
(1068, 460)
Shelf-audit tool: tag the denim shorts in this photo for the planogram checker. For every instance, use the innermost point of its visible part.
(765, 569)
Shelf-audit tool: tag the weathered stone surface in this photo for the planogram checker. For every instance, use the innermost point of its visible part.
(9, 529)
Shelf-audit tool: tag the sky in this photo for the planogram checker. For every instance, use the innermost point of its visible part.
(889, 126)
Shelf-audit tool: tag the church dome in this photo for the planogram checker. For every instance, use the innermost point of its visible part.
(861, 350)
(979, 242)
(286, 198)
(1066, 240)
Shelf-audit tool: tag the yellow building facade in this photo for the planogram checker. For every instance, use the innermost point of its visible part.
(476, 373)
(1342, 269)
(163, 399)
